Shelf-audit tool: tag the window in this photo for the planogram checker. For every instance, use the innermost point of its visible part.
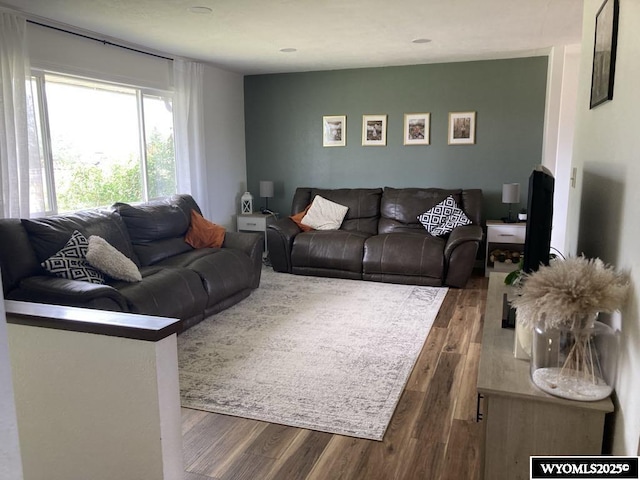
(102, 143)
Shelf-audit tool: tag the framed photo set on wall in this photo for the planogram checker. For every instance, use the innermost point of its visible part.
(416, 128)
(334, 131)
(462, 128)
(374, 130)
(604, 53)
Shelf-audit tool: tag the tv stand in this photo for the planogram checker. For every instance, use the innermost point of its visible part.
(519, 419)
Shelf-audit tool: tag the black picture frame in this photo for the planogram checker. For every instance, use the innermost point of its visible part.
(604, 52)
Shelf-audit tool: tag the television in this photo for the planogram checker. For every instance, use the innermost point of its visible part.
(537, 243)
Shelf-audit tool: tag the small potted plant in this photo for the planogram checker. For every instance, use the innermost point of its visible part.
(522, 215)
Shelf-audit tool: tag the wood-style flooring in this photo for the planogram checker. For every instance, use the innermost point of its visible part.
(433, 434)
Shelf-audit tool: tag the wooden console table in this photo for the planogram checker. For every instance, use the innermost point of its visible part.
(519, 419)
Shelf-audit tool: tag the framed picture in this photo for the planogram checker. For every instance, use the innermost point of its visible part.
(374, 130)
(334, 131)
(604, 53)
(462, 128)
(416, 128)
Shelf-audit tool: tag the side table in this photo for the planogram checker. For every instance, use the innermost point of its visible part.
(507, 237)
(256, 222)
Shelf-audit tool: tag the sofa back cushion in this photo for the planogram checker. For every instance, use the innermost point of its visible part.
(400, 207)
(17, 257)
(157, 228)
(49, 234)
(363, 204)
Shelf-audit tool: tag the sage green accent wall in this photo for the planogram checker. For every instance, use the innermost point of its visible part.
(283, 122)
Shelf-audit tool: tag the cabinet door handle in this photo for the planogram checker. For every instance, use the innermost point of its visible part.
(479, 415)
(506, 235)
(251, 224)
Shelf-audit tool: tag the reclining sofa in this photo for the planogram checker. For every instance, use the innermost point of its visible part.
(177, 281)
(380, 238)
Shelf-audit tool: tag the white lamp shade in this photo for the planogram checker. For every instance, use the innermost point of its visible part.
(266, 188)
(511, 193)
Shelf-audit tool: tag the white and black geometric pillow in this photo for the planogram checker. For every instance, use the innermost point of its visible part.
(443, 217)
(456, 219)
(70, 261)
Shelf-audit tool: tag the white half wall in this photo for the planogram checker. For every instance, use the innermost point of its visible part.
(96, 407)
(10, 460)
(605, 206)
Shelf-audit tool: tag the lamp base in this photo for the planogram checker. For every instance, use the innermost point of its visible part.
(509, 220)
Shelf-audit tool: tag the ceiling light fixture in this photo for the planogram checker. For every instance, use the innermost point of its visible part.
(201, 10)
(421, 40)
(288, 50)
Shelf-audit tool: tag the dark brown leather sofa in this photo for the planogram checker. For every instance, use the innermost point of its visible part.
(380, 238)
(177, 280)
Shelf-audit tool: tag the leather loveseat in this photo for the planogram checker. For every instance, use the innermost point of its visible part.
(178, 281)
(380, 238)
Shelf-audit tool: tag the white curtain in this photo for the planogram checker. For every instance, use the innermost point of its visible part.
(191, 166)
(20, 168)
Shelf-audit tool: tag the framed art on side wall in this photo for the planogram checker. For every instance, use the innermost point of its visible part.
(604, 53)
(416, 128)
(334, 131)
(462, 128)
(374, 130)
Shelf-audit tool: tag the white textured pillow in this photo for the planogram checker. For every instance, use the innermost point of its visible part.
(324, 214)
(106, 258)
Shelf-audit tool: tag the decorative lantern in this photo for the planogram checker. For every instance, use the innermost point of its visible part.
(246, 203)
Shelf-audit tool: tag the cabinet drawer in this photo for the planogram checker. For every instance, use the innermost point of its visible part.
(506, 234)
(252, 223)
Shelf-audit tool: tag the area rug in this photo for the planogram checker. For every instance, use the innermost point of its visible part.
(324, 354)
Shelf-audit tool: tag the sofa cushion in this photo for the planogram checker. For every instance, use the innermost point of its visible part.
(443, 217)
(400, 207)
(406, 254)
(157, 228)
(104, 257)
(204, 234)
(49, 234)
(363, 203)
(70, 261)
(324, 214)
(332, 249)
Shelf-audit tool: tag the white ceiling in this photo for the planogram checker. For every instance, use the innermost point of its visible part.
(246, 36)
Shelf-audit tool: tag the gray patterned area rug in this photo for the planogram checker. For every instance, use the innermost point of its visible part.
(324, 354)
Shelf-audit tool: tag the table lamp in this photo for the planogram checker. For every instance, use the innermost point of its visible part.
(510, 194)
(266, 191)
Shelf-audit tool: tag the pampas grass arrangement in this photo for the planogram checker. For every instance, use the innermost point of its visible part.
(562, 302)
(570, 293)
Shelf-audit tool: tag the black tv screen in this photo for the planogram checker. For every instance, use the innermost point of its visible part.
(537, 244)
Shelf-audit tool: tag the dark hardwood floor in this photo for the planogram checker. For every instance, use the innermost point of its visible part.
(433, 434)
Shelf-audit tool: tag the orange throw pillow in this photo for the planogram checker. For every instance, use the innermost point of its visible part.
(297, 218)
(202, 233)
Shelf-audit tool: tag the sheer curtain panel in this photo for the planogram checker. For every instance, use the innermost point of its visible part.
(20, 167)
(191, 166)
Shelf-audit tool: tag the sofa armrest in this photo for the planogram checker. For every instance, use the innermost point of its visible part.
(280, 236)
(250, 243)
(75, 293)
(460, 254)
(460, 235)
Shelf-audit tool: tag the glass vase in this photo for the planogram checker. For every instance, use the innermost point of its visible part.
(568, 363)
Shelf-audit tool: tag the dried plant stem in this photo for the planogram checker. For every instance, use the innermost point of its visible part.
(579, 361)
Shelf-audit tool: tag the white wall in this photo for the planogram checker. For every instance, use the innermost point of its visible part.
(605, 206)
(224, 136)
(10, 460)
(560, 114)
